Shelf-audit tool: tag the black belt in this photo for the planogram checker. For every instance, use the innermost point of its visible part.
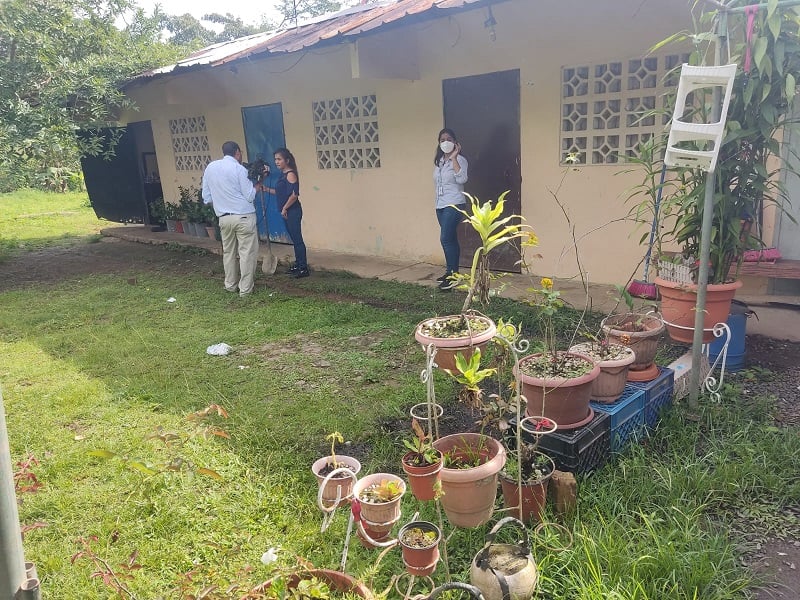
(225, 214)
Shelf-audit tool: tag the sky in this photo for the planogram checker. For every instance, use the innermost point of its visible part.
(248, 12)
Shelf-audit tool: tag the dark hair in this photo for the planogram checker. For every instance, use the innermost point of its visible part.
(439, 153)
(230, 148)
(289, 158)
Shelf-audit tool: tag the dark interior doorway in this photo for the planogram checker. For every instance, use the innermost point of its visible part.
(121, 186)
(484, 111)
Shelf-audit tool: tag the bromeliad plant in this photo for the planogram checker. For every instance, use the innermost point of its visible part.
(382, 491)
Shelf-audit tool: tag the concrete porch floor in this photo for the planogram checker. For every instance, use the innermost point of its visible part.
(778, 316)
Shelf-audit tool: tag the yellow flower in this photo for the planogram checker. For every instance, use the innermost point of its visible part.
(530, 240)
(547, 283)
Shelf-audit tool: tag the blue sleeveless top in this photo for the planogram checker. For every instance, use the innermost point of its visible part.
(284, 189)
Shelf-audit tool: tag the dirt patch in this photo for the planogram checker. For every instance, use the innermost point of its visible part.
(108, 256)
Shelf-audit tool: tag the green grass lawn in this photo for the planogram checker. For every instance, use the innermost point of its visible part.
(30, 220)
(102, 381)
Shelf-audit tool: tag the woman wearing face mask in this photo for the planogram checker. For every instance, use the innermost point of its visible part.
(449, 176)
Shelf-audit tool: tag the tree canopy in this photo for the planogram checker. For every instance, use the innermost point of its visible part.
(62, 63)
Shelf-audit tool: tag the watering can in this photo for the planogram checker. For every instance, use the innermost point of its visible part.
(505, 571)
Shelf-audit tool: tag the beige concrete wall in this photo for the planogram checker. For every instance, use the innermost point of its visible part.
(389, 211)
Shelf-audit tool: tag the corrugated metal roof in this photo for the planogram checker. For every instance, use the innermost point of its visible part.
(338, 27)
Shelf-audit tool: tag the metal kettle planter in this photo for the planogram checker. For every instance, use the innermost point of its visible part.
(505, 571)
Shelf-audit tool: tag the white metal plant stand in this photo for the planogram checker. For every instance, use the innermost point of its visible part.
(710, 382)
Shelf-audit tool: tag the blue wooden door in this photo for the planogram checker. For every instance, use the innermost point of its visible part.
(263, 134)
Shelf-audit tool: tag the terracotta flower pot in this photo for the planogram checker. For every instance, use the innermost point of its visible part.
(378, 518)
(610, 384)
(344, 482)
(619, 329)
(534, 496)
(336, 581)
(422, 479)
(447, 348)
(678, 302)
(469, 494)
(419, 560)
(565, 401)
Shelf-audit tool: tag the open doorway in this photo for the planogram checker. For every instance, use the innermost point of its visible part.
(484, 111)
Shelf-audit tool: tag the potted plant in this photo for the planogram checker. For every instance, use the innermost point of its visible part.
(211, 221)
(157, 213)
(526, 477)
(556, 384)
(419, 544)
(340, 486)
(469, 374)
(641, 332)
(472, 462)
(747, 176)
(422, 463)
(378, 498)
(196, 212)
(311, 583)
(470, 330)
(172, 217)
(185, 208)
(614, 360)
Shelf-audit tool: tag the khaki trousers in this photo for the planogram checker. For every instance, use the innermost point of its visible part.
(239, 251)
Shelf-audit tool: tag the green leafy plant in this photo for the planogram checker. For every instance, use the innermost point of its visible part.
(465, 455)
(208, 215)
(470, 375)
(494, 230)
(385, 490)
(191, 204)
(747, 178)
(172, 211)
(532, 464)
(552, 362)
(158, 210)
(419, 537)
(421, 451)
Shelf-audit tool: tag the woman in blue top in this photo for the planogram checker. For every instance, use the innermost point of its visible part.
(449, 175)
(287, 192)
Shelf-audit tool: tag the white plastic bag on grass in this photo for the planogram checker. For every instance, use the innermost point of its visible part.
(220, 349)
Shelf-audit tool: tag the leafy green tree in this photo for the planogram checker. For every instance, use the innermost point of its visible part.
(298, 10)
(61, 63)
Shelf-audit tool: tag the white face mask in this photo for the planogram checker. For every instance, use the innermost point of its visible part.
(447, 146)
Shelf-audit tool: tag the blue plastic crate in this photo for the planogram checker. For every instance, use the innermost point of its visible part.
(627, 417)
(657, 394)
(581, 450)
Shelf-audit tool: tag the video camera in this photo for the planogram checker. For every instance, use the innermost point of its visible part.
(257, 170)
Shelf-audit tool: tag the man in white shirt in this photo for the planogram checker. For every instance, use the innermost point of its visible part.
(227, 188)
